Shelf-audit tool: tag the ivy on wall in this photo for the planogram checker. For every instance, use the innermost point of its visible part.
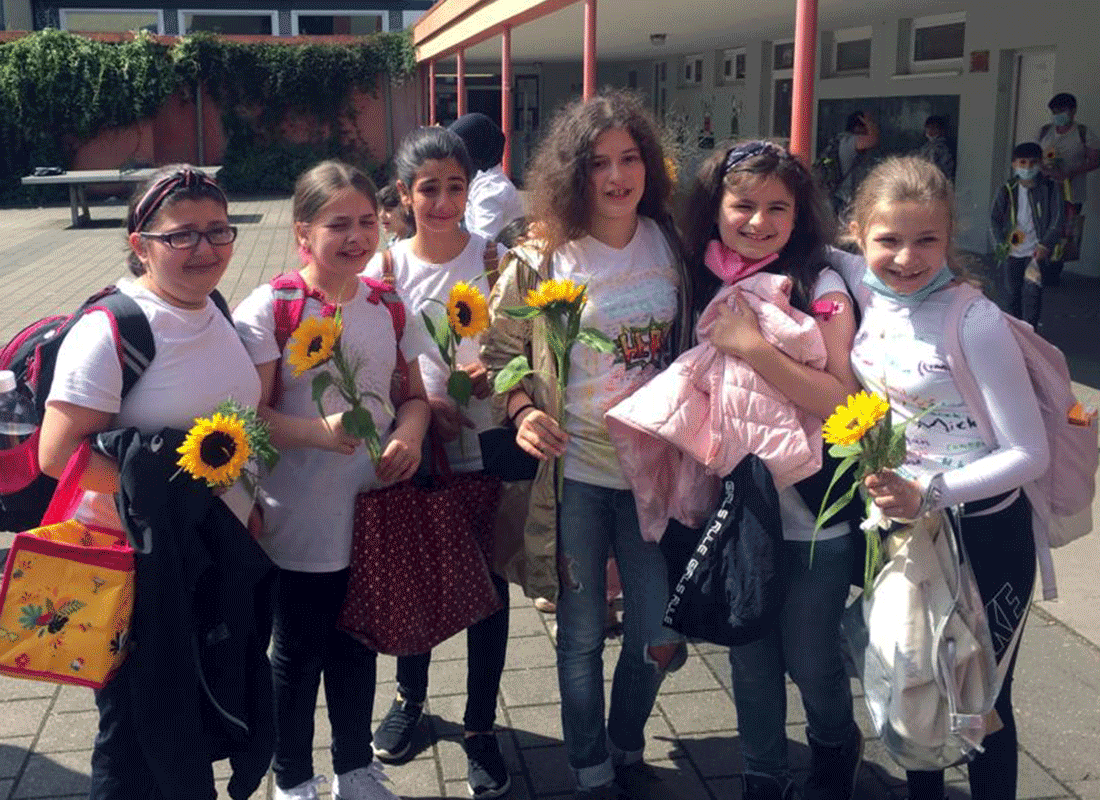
(58, 89)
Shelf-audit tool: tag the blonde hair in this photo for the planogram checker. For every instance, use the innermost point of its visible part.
(907, 179)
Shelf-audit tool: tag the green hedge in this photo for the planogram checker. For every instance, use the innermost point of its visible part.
(58, 90)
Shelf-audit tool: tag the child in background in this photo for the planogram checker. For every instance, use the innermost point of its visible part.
(309, 497)
(395, 220)
(493, 200)
(1026, 223)
(755, 207)
(902, 217)
(936, 147)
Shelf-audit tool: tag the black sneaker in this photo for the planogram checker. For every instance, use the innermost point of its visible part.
(833, 769)
(487, 774)
(395, 733)
(765, 787)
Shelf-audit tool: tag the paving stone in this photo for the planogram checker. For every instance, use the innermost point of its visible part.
(693, 676)
(74, 698)
(418, 778)
(13, 752)
(525, 621)
(23, 717)
(531, 652)
(1086, 790)
(531, 686)
(6, 787)
(536, 726)
(55, 775)
(23, 689)
(549, 770)
(713, 756)
(698, 712)
(72, 731)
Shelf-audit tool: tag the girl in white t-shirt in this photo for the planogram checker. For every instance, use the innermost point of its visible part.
(180, 244)
(756, 208)
(308, 499)
(599, 192)
(432, 170)
(902, 217)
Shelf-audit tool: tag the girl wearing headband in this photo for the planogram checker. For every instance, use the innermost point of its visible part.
(755, 208)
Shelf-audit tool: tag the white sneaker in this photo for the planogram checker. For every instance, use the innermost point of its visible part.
(364, 783)
(303, 791)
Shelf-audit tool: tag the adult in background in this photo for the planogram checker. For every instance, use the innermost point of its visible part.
(1070, 150)
(493, 200)
(860, 135)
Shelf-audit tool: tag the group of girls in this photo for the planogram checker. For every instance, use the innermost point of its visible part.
(599, 194)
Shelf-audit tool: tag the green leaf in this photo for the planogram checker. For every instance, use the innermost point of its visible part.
(359, 423)
(460, 387)
(523, 312)
(824, 514)
(845, 450)
(842, 501)
(320, 384)
(895, 457)
(514, 371)
(596, 339)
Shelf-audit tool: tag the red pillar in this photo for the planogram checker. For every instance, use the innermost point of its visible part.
(506, 98)
(431, 93)
(589, 49)
(802, 99)
(460, 82)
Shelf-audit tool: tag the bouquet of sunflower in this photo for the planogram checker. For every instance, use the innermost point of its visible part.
(863, 436)
(315, 343)
(561, 302)
(467, 316)
(231, 444)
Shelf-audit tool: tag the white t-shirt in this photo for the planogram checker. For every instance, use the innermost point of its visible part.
(632, 298)
(798, 519)
(418, 282)
(199, 364)
(492, 203)
(1026, 223)
(309, 498)
(1072, 151)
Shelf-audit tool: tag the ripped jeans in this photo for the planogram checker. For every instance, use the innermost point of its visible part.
(594, 522)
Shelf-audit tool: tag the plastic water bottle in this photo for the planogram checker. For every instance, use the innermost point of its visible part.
(17, 418)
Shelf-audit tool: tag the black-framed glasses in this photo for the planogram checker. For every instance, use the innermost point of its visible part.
(188, 240)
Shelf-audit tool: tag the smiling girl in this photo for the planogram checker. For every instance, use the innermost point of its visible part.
(599, 194)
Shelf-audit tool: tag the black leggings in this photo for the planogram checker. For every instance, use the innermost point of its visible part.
(486, 648)
(1002, 555)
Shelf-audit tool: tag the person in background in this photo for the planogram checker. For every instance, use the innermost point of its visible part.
(937, 149)
(493, 200)
(860, 135)
(1026, 223)
(1070, 151)
(396, 222)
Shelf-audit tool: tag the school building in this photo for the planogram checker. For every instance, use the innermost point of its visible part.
(713, 69)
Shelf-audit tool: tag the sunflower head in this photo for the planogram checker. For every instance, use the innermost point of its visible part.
(215, 450)
(467, 310)
(554, 292)
(1050, 155)
(1017, 238)
(312, 343)
(849, 422)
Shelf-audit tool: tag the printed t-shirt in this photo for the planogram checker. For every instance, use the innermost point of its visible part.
(199, 364)
(309, 498)
(1026, 223)
(632, 298)
(419, 282)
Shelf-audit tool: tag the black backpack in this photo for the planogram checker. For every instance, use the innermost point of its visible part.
(25, 491)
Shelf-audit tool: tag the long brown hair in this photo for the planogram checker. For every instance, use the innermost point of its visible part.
(558, 177)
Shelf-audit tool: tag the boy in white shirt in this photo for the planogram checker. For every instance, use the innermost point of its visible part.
(492, 201)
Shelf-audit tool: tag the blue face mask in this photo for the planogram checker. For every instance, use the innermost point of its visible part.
(939, 280)
(1061, 118)
(1026, 173)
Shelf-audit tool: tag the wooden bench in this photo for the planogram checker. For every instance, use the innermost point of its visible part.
(79, 179)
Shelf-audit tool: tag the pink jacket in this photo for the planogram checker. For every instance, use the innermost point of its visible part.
(678, 435)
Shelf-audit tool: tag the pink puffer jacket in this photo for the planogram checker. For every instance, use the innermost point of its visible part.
(678, 435)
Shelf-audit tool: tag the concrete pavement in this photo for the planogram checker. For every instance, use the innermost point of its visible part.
(46, 731)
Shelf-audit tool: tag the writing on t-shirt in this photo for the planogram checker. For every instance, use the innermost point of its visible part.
(640, 347)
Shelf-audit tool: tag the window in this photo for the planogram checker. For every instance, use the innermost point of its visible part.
(255, 23)
(109, 20)
(733, 65)
(782, 84)
(852, 50)
(693, 69)
(783, 55)
(343, 23)
(938, 41)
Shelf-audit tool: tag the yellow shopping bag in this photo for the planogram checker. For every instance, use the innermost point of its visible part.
(66, 600)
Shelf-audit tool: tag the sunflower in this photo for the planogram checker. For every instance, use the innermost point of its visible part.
(849, 422)
(1050, 155)
(467, 311)
(1017, 238)
(215, 450)
(312, 343)
(551, 292)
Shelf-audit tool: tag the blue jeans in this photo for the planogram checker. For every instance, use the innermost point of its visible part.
(806, 645)
(593, 522)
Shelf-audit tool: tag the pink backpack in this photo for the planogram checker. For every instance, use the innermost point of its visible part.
(1062, 497)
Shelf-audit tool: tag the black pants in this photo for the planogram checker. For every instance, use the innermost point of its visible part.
(486, 648)
(1052, 270)
(1002, 554)
(1023, 299)
(307, 644)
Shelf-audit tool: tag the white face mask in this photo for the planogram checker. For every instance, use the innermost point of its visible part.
(1061, 118)
(1026, 173)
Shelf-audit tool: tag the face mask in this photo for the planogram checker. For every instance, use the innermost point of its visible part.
(1061, 118)
(1026, 173)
